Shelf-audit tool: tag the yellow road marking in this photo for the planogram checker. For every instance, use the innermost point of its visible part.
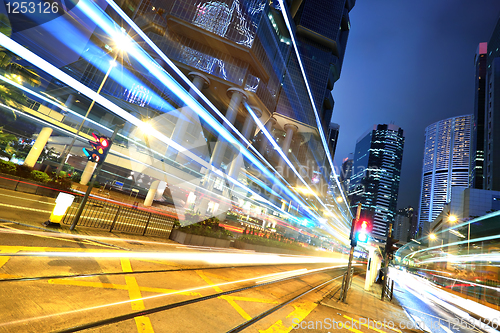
(142, 322)
(229, 299)
(341, 324)
(3, 260)
(301, 311)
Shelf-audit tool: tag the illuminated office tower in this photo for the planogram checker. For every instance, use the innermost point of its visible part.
(446, 164)
(376, 174)
(476, 170)
(492, 114)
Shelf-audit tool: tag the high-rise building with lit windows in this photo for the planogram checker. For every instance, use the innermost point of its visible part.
(476, 171)
(446, 164)
(376, 174)
(492, 113)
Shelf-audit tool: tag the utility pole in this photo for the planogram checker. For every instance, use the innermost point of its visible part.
(386, 264)
(351, 254)
(91, 185)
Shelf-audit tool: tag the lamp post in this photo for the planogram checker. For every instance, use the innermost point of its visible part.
(121, 43)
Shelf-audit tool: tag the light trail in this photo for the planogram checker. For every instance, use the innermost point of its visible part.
(209, 258)
(23, 321)
(311, 99)
(200, 95)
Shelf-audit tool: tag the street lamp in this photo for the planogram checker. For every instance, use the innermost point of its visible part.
(432, 236)
(122, 42)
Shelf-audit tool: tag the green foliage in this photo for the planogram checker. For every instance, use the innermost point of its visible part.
(8, 167)
(76, 177)
(23, 171)
(207, 228)
(61, 182)
(39, 176)
(257, 240)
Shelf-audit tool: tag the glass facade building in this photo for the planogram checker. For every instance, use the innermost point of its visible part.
(476, 170)
(376, 174)
(492, 113)
(446, 164)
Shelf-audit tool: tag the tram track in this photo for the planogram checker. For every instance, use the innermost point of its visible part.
(162, 308)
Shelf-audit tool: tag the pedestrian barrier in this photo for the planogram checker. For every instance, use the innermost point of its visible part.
(389, 288)
(113, 217)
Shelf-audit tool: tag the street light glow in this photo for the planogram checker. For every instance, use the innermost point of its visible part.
(432, 236)
(452, 218)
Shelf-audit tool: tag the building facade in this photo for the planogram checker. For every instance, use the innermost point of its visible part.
(405, 225)
(446, 164)
(376, 174)
(492, 114)
(476, 169)
(211, 103)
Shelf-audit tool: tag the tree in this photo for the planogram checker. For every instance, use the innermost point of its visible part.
(10, 68)
(5, 140)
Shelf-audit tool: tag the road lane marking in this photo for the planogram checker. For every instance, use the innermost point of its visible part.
(3, 260)
(27, 208)
(142, 322)
(229, 299)
(22, 198)
(300, 312)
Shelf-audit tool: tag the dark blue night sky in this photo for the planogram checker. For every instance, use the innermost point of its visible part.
(410, 63)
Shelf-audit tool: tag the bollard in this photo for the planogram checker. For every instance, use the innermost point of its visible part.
(63, 201)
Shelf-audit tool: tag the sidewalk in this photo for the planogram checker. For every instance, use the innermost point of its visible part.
(363, 303)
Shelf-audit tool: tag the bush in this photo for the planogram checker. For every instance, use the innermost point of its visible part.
(202, 229)
(257, 240)
(76, 177)
(39, 176)
(23, 171)
(8, 167)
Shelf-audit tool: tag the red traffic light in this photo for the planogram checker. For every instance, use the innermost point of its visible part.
(100, 148)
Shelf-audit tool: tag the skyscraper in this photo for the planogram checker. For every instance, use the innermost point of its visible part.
(376, 175)
(333, 137)
(476, 170)
(446, 164)
(322, 29)
(405, 225)
(492, 115)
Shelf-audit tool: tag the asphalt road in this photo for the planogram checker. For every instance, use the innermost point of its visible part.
(430, 312)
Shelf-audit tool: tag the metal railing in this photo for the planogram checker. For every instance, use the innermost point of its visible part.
(113, 217)
(389, 289)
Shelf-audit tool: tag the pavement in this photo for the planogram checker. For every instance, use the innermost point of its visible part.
(363, 311)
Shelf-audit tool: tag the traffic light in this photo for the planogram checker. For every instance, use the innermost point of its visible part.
(362, 231)
(390, 247)
(100, 148)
